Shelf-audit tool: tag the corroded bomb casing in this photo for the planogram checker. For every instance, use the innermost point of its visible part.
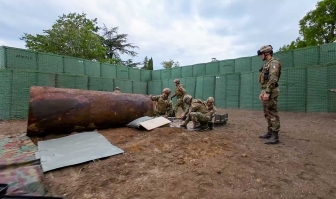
(60, 110)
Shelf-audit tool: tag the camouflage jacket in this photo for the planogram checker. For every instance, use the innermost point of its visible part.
(269, 75)
(163, 106)
(116, 91)
(212, 110)
(197, 105)
(179, 91)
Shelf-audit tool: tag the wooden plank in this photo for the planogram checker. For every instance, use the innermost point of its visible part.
(154, 123)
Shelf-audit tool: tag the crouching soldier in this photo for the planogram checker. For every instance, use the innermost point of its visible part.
(212, 111)
(196, 112)
(164, 105)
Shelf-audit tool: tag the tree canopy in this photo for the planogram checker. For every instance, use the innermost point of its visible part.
(170, 64)
(317, 27)
(76, 36)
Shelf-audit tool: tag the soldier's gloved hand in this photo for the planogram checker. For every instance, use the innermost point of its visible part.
(261, 97)
(150, 95)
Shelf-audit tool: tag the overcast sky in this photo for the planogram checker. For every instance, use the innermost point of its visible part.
(188, 31)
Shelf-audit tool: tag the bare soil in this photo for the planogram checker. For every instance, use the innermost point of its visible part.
(227, 162)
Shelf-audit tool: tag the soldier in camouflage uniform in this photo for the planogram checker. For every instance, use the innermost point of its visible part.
(179, 93)
(117, 90)
(212, 111)
(164, 105)
(269, 76)
(196, 112)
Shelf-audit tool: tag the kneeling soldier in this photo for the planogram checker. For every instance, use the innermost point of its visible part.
(164, 105)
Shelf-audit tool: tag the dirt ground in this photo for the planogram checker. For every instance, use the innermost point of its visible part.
(228, 162)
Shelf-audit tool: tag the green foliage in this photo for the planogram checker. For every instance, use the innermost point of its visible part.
(150, 64)
(317, 27)
(72, 35)
(145, 64)
(170, 64)
(116, 44)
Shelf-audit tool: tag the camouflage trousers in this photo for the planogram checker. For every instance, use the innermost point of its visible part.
(271, 111)
(197, 117)
(179, 103)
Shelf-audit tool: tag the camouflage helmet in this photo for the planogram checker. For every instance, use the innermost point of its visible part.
(187, 98)
(117, 88)
(166, 90)
(265, 49)
(211, 100)
(176, 81)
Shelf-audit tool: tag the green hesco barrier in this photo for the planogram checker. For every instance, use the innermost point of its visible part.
(92, 68)
(108, 71)
(176, 72)
(209, 87)
(257, 105)
(220, 91)
(212, 68)
(66, 81)
(246, 91)
(5, 94)
(165, 83)
(139, 87)
(297, 89)
(198, 70)
(49, 63)
(82, 82)
(286, 58)
(327, 53)
(256, 63)
(20, 59)
(283, 87)
(122, 72)
(46, 79)
(172, 87)
(317, 89)
(232, 90)
(155, 88)
(166, 74)
(125, 85)
(22, 81)
(96, 83)
(243, 64)
(304, 57)
(190, 85)
(134, 74)
(146, 75)
(332, 85)
(108, 84)
(2, 57)
(226, 66)
(187, 71)
(199, 87)
(156, 75)
(74, 66)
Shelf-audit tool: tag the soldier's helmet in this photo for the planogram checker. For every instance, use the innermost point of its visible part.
(166, 90)
(187, 98)
(265, 49)
(117, 88)
(211, 100)
(176, 81)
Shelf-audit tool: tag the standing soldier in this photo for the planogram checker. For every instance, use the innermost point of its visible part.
(164, 105)
(212, 111)
(179, 93)
(268, 78)
(117, 90)
(196, 112)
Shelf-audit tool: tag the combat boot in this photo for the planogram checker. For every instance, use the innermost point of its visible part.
(266, 135)
(210, 124)
(183, 126)
(274, 139)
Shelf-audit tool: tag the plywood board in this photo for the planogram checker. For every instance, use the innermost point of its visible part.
(154, 123)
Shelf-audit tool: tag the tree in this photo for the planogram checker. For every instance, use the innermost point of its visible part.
(145, 63)
(72, 35)
(130, 63)
(116, 44)
(150, 64)
(317, 27)
(170, 64)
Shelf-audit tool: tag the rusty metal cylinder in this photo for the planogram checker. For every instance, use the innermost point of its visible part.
(59, 110)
